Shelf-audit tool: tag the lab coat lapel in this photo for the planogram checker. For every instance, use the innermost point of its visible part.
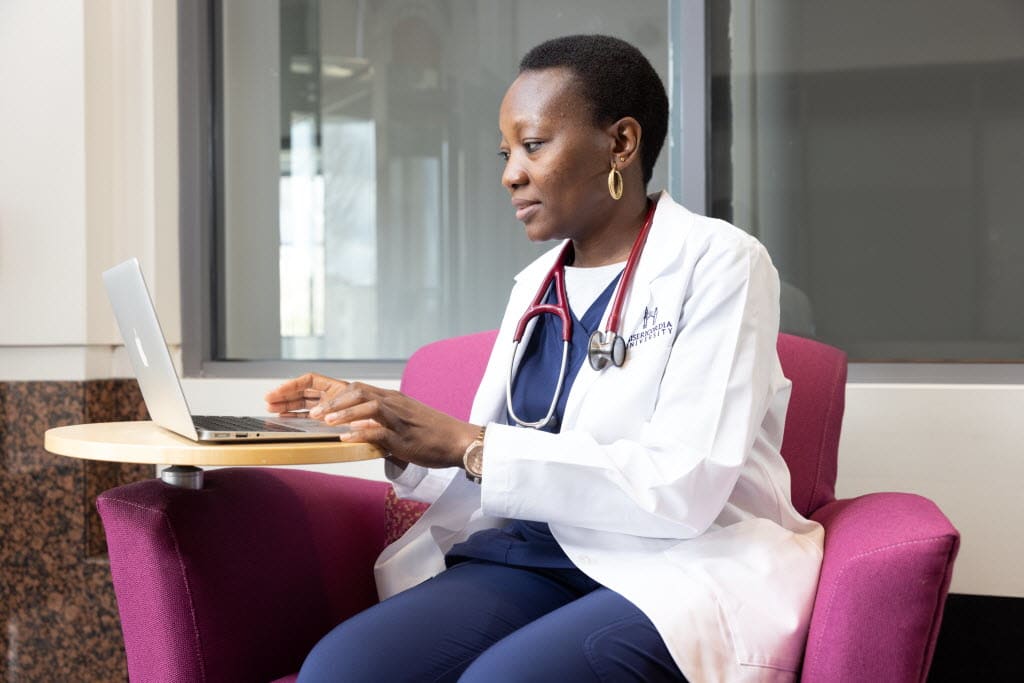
(664, 243)
(667, 230)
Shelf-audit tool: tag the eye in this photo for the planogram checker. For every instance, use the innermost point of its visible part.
(532, 146)
(503, 154)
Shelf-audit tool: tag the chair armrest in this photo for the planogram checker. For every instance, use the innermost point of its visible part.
(238, 580)
(884, 578)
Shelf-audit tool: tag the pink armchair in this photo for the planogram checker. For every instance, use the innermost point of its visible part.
(237, 581)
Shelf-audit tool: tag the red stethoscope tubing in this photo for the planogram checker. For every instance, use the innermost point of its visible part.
(559, 308)
(561, 305)
(627, 273)
(600, 352)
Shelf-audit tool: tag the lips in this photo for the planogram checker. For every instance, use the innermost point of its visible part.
(525, 208)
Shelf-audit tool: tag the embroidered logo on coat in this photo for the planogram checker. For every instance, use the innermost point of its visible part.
(650, 316)
(651, 329)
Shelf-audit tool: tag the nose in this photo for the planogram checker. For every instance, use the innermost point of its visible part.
(514, 175)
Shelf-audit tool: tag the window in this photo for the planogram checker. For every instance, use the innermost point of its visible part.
(877, 149)
(359, 211)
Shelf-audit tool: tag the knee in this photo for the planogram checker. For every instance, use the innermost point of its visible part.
(630, 650)
(348, 650)
(517, 659)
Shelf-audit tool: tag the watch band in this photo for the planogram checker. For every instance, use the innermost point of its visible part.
(473, 458)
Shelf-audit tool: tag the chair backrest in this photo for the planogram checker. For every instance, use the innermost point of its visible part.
(446, 374)
(810, 444)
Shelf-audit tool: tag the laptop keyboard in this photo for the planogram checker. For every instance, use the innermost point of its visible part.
(216, 423)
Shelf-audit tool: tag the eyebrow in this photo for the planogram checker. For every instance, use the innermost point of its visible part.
(521, 123)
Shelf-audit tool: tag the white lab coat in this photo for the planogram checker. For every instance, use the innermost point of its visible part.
(665, 484)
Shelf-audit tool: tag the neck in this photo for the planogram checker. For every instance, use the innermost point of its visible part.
(612, 243)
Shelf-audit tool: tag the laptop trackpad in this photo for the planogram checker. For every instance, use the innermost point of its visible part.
(307, 425)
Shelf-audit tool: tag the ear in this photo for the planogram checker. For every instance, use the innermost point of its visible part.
(625, 142)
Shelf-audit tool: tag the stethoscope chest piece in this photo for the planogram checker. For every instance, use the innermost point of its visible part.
(604, 348)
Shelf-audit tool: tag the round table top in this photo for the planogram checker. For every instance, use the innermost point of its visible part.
(145, 442)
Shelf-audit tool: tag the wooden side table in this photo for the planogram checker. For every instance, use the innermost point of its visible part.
(145, 442)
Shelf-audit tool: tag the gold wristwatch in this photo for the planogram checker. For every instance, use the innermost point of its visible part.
(473, 458)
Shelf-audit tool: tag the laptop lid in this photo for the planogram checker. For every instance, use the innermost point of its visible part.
(147, 349)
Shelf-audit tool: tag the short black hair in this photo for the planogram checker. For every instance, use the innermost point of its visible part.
(616, 79)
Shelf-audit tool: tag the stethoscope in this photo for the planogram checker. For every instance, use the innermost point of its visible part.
(604, 347)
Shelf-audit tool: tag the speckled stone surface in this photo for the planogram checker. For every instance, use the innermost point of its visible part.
(56, 601)
(399, 515)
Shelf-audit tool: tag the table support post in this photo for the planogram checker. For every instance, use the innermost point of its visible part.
(184, 476)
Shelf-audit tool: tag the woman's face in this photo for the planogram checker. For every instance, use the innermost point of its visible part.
(556, 159)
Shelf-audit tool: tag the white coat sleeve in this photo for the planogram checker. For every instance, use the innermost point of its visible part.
(419, 483)
(675, 479)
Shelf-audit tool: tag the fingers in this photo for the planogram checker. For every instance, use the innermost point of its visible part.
(301, 393)
(334, 406)
(397, 424)
(291, 388)
(368, 410)
(371, 432)
(309, 384)
(378, 436)
(364, 424)
(310, 398)
(291, 406)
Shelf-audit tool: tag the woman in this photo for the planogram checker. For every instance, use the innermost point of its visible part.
(644, 531)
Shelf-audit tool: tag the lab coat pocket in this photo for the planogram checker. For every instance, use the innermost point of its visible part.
(763, 591)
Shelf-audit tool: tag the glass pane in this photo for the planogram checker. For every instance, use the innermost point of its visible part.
(362, 210)
(877, 149)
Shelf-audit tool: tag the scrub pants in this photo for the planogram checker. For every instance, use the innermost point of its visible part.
(486, 622)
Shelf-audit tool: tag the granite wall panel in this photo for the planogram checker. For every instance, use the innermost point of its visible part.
(56, 599)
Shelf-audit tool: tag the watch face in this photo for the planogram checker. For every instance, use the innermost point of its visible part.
(475, 460)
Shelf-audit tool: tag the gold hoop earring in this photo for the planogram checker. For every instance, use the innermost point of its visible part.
(615, 184)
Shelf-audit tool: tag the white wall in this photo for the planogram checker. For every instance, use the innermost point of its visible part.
(89, 177)
(959, 445)
(88, 130)
(42, 177)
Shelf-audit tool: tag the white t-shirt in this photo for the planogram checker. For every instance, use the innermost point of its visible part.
(584, 285)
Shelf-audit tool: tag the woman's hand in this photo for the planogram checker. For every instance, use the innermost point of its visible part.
(301, 393)
(401, 426)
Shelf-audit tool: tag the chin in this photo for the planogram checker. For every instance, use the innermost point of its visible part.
(536, 233)
(537, 237)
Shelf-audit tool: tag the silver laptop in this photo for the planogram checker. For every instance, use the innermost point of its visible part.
(147, 349)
